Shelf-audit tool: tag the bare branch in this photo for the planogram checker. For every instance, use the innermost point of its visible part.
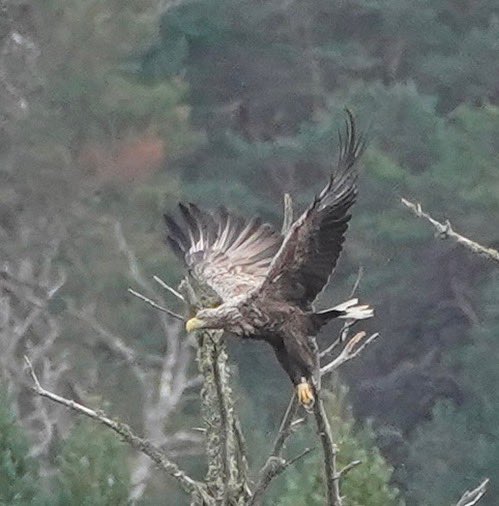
(358, 279)
(333, 496)
(286, 427)
(471, 497)
(275, 464)
(304, 453)
(156, 305)
(340, 339)
(351, 350)
(272, 468)
(349, 467)
(188, 484)
(445, 231)
(169, 288)
(227, 473)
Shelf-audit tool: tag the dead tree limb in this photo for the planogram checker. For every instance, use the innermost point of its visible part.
(445, 231)
(155, 305)
(330, 450)
(471, 497)
(351, 350)
(143, 445)
(169, 288)
(28, 285)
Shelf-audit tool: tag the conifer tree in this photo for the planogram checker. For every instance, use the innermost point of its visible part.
(18, 471)
(92, 468)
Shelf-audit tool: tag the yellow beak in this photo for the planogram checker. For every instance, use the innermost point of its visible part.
(194, 324)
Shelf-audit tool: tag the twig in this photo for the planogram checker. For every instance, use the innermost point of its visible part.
(445, 231)
(360, 274)
(351, 350)
(272, 468)
(304, 453)
(188, 484)
(349, 467)
(156, 305)
(471, 497)
(286, 427)
(169, 288)
(340, 339)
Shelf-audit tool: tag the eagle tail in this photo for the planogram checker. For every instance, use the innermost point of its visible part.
(349, 310)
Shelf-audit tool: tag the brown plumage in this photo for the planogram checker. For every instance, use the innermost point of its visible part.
(266, 282)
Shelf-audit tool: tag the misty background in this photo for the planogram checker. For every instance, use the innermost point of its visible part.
(113, 111)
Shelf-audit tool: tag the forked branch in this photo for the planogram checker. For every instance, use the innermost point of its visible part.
(446, 230)
(125, 432)
(272, 468)
(351, 350)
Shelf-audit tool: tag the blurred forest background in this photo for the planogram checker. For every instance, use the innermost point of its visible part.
(113, 111)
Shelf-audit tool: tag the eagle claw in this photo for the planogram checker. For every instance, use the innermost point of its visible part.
(305, 395)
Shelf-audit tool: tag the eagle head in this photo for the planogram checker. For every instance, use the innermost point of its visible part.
(224, 317)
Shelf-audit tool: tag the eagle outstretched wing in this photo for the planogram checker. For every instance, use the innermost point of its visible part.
(222, 251)
(310, 250)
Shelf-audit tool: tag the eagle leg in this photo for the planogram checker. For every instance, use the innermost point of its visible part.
(305, 394)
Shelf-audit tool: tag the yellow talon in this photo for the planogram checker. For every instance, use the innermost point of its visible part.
(305, 394)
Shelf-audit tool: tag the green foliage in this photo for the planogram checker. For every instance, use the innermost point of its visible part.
(92, 469)
(368, 484)
(264, 85)
(18, 471)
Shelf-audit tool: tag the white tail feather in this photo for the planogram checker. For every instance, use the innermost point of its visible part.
(345, 305)
(352, 310)
(358, 313)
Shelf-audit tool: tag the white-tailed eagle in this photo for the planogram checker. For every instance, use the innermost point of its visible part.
(267, 282)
